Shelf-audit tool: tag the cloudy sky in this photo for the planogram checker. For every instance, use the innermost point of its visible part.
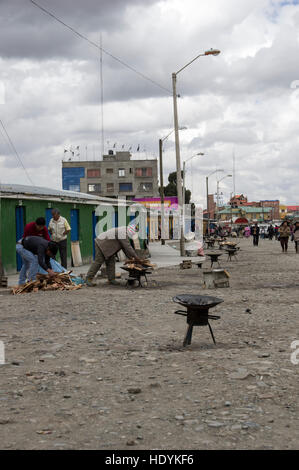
(245, 101)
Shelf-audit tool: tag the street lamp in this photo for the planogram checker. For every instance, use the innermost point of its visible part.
(184, 173)
(184, 186)
(162, 182)
(219, 181)
(177, 144)
(207, 186)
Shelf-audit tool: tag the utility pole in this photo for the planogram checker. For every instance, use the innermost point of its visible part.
(217, 201)
(234, 172)
(207, 186)
(102, 98)
(178, 166)
(162, 192)
(231, 213)
(213, 52)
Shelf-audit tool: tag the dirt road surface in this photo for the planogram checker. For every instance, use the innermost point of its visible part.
(104, 367)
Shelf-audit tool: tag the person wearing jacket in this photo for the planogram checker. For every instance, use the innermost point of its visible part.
(296, 237)
(59, 229)
(255, 231)
(271, 232)
(37, 229)
(38, 252)
(107, 244)
(284, 233)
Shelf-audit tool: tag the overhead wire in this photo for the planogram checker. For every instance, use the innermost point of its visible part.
(16, 152)
(82, 36)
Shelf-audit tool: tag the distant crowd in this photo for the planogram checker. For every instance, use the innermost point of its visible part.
(283, 233)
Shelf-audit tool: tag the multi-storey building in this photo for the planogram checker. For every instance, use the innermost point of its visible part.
(238, 200)
(246, 214)
(117, 176)
(211, 207)
(241, 200)
(274, 205)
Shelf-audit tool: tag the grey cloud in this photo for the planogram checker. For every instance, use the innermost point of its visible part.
(28, 32)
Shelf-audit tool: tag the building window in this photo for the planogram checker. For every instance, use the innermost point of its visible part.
(125, 187)
(148, 172)
(109, 170)
(121, 172)
(145, 187)
(93, 173)
(74, 187)
(110, 187)
(94, 188)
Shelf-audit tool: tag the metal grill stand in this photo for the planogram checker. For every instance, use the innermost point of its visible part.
(136, 275)
(232, 253)
(214, 258)
(197, 314)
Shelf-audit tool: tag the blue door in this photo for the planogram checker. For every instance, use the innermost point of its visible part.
(115, 219)
(94, 223)
(20, 225)
(74, 225)
(48, 218)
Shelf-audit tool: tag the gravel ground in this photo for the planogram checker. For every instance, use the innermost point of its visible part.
(104, 367)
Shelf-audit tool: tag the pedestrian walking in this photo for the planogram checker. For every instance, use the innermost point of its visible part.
(255, 231)
(271, 232)
(284, 234)
(296, 237)
(247, 232)
(59, 229)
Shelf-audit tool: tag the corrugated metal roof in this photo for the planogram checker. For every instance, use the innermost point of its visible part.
(38, 191)
(247, 210)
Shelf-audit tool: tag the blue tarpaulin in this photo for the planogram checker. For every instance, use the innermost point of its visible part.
(60, 269)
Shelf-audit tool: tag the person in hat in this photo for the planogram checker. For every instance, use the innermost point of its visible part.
(107, 245)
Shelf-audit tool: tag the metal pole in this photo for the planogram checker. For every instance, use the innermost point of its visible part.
(207, 185)
(231, 213)
(184, 191)
(184, 188)
(178, 165)
(161, 191)
(217, 201)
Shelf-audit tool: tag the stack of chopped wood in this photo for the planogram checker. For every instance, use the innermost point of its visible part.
(61, 281)
(229, 244)
(139, 266)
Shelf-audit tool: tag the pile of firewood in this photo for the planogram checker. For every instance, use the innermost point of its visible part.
(61, 281)
(229, 244)
(139, 266)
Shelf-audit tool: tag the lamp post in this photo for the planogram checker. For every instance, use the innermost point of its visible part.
(177, 144)
(184, 173)
(218, 182)
(162, 182)
(184, 186)
(207, 186)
